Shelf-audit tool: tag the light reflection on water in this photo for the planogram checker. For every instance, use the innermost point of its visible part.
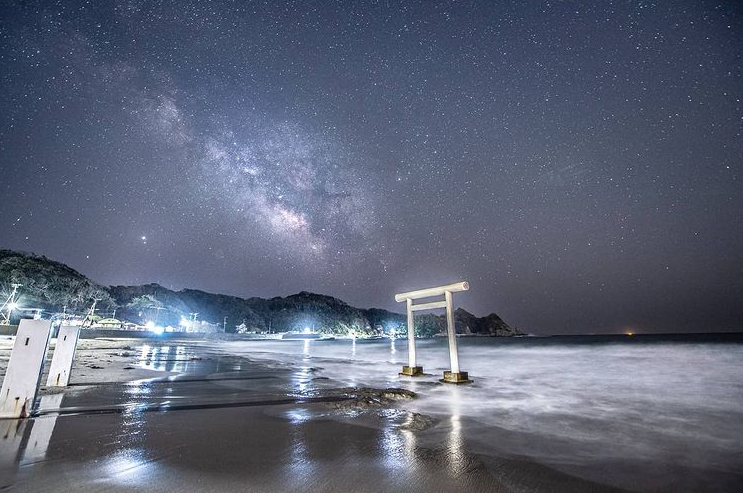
(409, 441)
(394, 452)
(165, 358)
(302, 378)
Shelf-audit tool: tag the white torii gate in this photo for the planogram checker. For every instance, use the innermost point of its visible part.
(412, 369)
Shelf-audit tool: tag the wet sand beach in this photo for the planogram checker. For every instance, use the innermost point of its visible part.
(202, 417)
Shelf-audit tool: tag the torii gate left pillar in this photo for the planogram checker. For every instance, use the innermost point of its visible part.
(455, 375)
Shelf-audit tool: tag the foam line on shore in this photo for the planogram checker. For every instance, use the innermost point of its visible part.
(174, 380)
(357, 396)
(167, 406)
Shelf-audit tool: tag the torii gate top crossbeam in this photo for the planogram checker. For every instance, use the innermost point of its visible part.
(426, 293)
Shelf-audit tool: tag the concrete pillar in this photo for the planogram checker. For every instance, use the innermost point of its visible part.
(412, 369)
(454, 375)
(451, 333)
(26, 364)
(63, 357)
(411, 335)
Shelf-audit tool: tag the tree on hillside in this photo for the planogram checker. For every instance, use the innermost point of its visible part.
(146, 306)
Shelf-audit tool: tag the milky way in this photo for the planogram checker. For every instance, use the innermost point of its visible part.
(579, 165)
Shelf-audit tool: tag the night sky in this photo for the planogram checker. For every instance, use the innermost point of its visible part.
(579, 165)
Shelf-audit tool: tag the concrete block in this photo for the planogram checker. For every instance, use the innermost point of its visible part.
(63, 356)
(413, 371)
(460, 377)
(23, 375)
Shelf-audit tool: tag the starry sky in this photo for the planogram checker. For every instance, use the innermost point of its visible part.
(580, 165)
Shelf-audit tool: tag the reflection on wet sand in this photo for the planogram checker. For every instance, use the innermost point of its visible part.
(409, 440)
(128, 466)
(300, 467)
(456, 451)
(269, 426)
(41, 431)
(12, 441)
(133, 449)
(395, 454)
(25, 441)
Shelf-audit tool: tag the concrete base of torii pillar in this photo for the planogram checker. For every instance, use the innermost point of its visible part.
(413, 371)
(456, 378)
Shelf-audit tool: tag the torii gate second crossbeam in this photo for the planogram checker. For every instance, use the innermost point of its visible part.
(412, 369)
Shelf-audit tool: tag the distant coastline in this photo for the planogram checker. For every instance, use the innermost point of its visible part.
(57, 291)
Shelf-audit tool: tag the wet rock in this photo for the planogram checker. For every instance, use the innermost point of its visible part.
(366, 398)
(418, 422)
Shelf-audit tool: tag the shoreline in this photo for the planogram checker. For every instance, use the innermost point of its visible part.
(321, 410)
(215, 415)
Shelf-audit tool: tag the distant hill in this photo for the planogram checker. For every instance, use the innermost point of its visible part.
(48, 284)
(51, 285)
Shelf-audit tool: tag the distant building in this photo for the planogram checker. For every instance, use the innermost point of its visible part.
(109, 323)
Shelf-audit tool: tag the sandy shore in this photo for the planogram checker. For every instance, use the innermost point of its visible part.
(149, 416)
(96, 360)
